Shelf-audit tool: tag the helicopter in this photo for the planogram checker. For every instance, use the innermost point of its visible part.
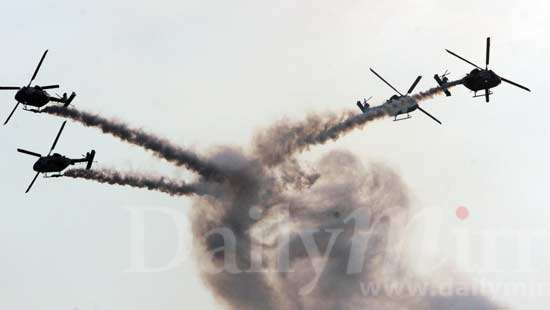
(482, 79)
(401, 108)
(56, 163)
(36, 96)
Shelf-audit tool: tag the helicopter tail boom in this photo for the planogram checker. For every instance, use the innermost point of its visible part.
(64, 99)
(88, 159)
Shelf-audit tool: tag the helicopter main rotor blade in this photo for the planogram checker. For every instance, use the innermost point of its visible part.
(29, 153)
(32, 183)
(11, 114)
(378, 75)
(9, 87)
(38, 67)
(487, 93)
(431, 116)
(487, 53)
(463, 59)
(414, 84)
(515, 84)
(49, 86)
(57, 138)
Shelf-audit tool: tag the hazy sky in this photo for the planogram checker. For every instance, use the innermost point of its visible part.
(208, 73)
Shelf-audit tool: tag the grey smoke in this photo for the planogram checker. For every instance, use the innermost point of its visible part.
(286, 138)
(162, 148)
(294, 176)
(375, 195)
(430, 93)
(112, 177)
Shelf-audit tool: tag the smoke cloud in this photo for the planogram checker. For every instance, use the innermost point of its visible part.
(112, 177)
(162, 148)
(262, 246)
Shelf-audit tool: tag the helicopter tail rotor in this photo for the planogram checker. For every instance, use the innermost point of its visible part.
(364, 107)
(90, 158)
(442, 81)
(68, 100)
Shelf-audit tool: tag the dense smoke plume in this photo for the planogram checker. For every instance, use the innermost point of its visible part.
(261, 246)
(162, 148)
(112, 177)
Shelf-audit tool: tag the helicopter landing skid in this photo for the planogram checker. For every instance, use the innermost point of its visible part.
(402, 118)
(31, 110)
(53, 176)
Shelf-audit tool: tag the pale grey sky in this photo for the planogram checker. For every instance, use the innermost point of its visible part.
(206, 73)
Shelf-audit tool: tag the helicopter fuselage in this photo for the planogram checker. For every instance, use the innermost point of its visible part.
(52, 163)
(405, 106)
(32, 96)
(481, 79)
